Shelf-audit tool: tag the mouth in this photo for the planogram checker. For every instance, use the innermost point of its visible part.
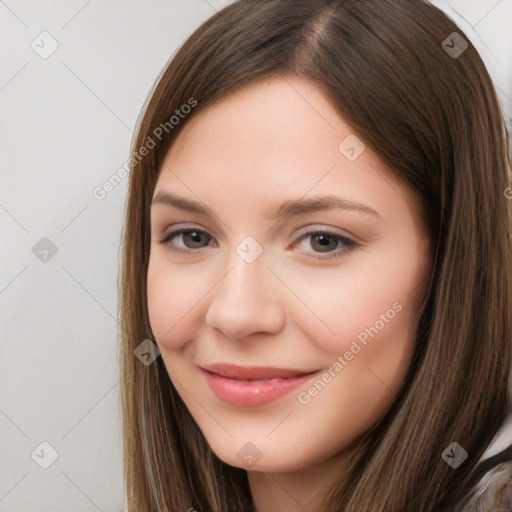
(253, 386)
(255, 373)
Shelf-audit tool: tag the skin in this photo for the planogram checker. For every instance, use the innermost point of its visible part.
(268, 142)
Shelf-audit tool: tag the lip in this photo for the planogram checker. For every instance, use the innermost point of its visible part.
(230, 387)
(232, 371)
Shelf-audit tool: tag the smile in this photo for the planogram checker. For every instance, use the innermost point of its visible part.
(251, 392)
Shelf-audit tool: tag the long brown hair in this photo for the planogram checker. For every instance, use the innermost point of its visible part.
(433, 116)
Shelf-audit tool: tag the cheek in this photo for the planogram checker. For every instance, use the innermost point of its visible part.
(370, 298)
(171, 298)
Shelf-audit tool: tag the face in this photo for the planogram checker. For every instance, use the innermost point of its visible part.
(268, 274)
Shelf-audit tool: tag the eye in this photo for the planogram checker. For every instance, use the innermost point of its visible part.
(192, 236)
(322, 240)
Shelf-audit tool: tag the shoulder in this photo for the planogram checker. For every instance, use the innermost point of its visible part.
(493, 492)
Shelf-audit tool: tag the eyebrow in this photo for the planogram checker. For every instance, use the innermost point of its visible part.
(288, 208)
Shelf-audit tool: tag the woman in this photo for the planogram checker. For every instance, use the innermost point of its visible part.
(371, 377)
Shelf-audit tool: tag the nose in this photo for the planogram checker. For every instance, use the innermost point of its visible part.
(246, 300)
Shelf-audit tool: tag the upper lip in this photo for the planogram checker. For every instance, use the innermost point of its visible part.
(232, 371)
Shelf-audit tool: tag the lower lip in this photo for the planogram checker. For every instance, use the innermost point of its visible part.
(250, 394)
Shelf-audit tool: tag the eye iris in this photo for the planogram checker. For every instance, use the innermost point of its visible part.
(195, 235)
(324, 241)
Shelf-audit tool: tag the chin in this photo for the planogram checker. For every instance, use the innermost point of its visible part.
(265, 458)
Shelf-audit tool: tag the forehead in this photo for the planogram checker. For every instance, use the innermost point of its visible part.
(289, 113)
(275, 139)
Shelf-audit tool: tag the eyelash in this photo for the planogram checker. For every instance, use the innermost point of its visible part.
(348, 242)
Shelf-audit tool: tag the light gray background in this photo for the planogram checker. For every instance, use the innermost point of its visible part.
(66, 123)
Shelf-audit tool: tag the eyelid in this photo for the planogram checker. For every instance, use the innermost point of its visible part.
(324, 228)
